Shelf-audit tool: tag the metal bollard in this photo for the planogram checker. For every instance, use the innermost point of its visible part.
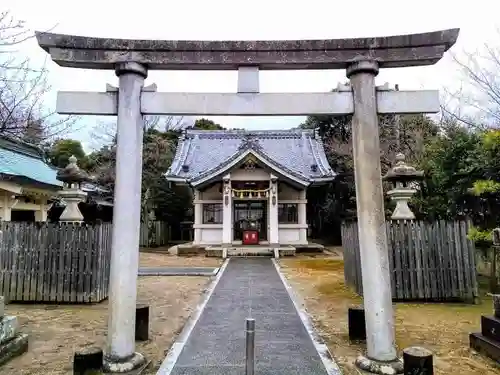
(250, 347)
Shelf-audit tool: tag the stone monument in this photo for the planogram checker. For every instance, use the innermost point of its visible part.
(72, 177)
(360, 57)
(402, 175)
(12, 342)
(488, 340)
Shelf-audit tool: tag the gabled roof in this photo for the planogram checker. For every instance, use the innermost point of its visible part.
(295, 154)
(25, 162)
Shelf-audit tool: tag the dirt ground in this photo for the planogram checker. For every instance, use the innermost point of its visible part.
(57, 331)
(157, 259)
(442, 328)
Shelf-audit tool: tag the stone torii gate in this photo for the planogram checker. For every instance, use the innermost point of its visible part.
(361, 57)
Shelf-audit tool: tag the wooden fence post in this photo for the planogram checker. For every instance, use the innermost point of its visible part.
(428, 261)
(61, 262)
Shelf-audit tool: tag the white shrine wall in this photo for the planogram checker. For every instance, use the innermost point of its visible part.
(207, 233)
(293, 233)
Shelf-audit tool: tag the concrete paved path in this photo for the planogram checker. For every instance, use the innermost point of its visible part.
(249, 287)
(178, 271)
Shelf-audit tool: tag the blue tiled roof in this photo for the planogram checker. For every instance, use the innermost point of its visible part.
(295, 151)
(27, 165)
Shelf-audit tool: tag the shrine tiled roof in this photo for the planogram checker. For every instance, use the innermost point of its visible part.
(24, 161)
(297, 154)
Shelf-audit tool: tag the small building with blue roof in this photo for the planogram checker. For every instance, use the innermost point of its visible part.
(29, 187)
(28, 184)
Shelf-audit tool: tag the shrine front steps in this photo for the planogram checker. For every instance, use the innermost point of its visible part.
(249, 251)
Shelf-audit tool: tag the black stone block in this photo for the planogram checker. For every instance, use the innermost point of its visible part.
(490, 327)
(87, 361)
(485, 346)
(417, 360)
(142, 323)
(356, 322)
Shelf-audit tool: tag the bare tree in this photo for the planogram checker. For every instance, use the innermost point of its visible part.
(405, 133)
(158, 149)
(104, 133)
(22, 87)
(477, 101)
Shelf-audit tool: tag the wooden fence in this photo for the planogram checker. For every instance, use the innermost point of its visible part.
(157, 234)
(65, 263)
(428, 261)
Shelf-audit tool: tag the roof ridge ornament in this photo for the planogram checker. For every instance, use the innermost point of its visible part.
(248, 142)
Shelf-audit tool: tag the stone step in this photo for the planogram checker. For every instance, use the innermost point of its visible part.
(250, 251)
(490, 327)
(484, 345)
(214, 252)
(218, 252)
(287, 251)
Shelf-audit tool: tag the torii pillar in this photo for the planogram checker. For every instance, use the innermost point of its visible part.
(120, 354)
(377, 295)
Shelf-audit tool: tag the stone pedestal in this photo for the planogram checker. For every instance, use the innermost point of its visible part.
(402, 196)
(487, 341)
(72, 196)
(12, 342)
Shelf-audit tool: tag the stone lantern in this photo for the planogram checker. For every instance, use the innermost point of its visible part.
(72, 177)
(402, 175)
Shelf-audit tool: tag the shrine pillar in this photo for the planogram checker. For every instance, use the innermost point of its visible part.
(302, 216)
(273, 211)
(227, 211)
(198, 216)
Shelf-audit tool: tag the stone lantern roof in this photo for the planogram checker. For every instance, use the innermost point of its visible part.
(402, 172)
(72, 174)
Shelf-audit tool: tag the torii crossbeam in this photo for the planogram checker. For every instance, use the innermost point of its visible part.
(361, 57)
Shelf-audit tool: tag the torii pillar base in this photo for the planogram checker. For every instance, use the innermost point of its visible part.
(377, 367)
(133, 365)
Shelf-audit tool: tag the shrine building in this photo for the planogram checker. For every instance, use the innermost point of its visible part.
(250, 181)
(30, 191)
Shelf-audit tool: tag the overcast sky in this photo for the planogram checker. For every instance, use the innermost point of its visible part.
(255, 19)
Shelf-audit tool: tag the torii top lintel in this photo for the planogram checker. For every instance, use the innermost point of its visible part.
(390, 52)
